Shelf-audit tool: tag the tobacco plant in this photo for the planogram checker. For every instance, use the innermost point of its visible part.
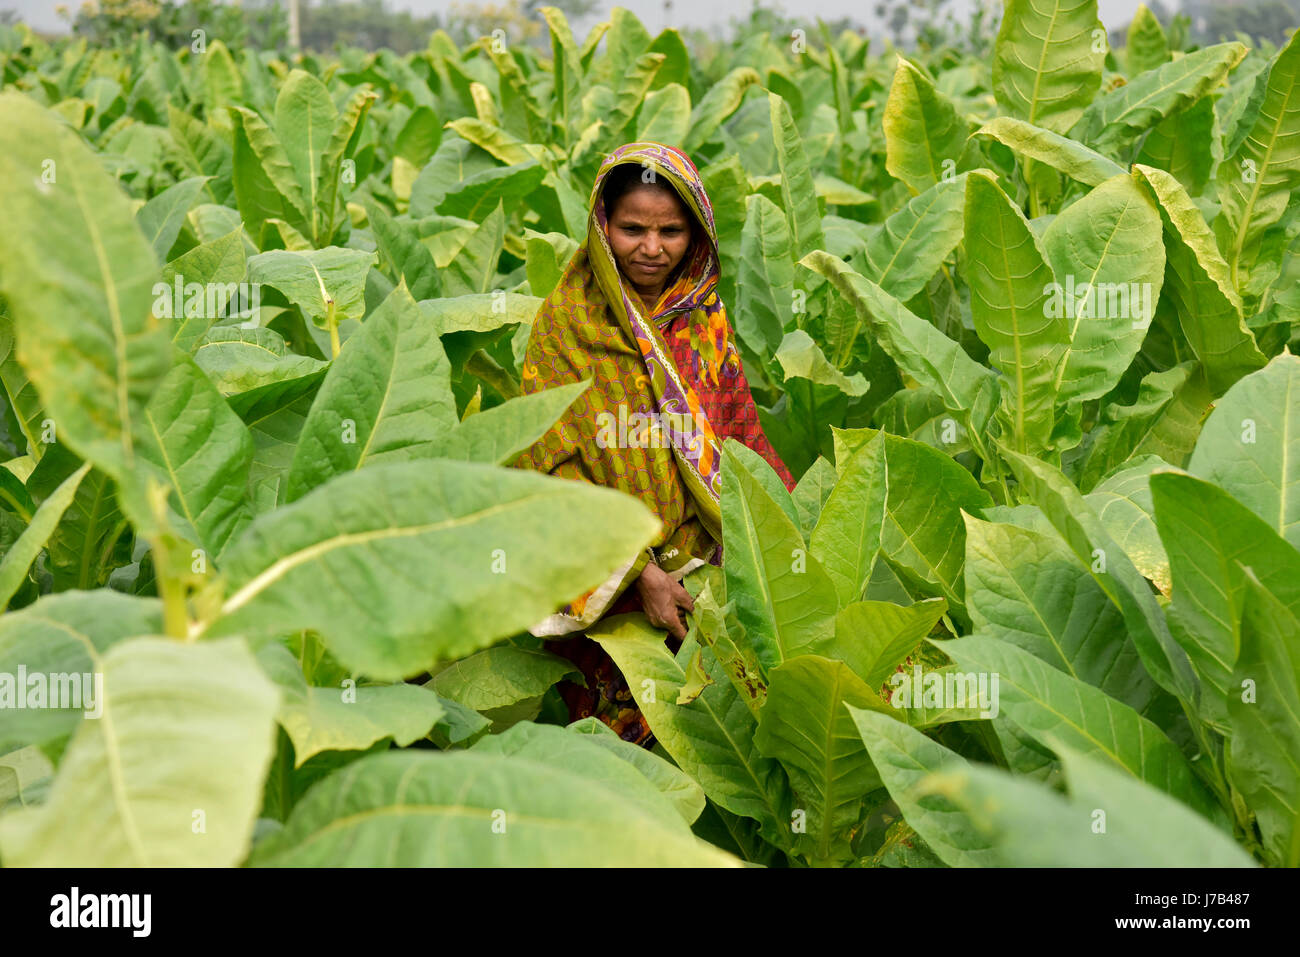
(1024, 329)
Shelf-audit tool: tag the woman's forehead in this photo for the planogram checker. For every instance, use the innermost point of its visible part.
(647, 202)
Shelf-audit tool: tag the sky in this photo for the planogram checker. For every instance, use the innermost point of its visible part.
(713, 13)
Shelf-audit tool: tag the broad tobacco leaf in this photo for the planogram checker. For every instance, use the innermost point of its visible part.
(186, 730)
(345, 560)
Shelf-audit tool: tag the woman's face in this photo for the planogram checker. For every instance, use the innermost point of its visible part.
(650, 233)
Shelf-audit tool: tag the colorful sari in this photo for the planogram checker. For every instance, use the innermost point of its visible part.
(669, 389)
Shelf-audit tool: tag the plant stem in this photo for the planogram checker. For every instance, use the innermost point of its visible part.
(172, 590)
(170, 585)
(331, 320)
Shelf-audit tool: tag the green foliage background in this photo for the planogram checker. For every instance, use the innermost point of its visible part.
(1024, 324)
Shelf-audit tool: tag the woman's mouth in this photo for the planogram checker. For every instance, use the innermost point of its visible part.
(650, 267)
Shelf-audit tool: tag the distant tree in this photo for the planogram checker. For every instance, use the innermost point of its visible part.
(257, 23)
(368, 24)
(573, 9)
(1215, 20)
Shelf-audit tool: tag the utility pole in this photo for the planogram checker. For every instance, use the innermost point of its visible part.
(295, 33)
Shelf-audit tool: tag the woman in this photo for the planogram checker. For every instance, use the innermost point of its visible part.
(637, 311)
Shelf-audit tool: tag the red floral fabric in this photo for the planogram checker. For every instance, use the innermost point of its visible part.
(728, 406)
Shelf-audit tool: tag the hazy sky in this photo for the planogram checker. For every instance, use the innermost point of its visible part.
(1114, 13)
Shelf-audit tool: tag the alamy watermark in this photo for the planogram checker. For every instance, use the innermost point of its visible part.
(130, 911)
(211, 300)
(60, 690)
(1134, 301)
(644, 430)
(946, 689)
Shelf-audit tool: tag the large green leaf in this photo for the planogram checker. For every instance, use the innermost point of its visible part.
(1113, 570)
(1257, 183)
(476, 197)
(79, 554)
(799, 197)
(1206, 533)
(472, 809)
(1112, 122)
(1027, 589)
(345, 560)
(255, 370)
(1054, 707)
(67, 634)
(1250, 445)
(913, 242)
(501, 676)
(1263, 754)
(1123, 504)
(18, 559)
(221, 83)
(712, 737)
(387, 398)
(345, 718)
(479, 312)
(170, 775)
(205, 450)
(968, 390)
(203, 151)
(762, 472)
(1105, 250)
(497, 435)
(675, 784)
(1109, 820)
(923, 534)
(266, 185)
(873, 637)
(1209, 308)
(566, 73)
(905, 759)
(923, 134)
(211, 265)
(810, 495)
(665, 115)
(806, 727)
(1142, 822)
(77, 276)
(320, 282)
(1177, 144)
(784, 598)
(718, 631)
(1045, 146)
(766, 281)
(473, 269)
(581, 754)
(1164, 420)
(1146, 46)
(847, 535)
(720, 101)
(24, 401)
(1047, 62)
(399, 244)
(1010, 286)
(304, 120)
(800, 357)
(161, 218)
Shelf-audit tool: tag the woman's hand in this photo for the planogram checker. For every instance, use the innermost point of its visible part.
(665, 601)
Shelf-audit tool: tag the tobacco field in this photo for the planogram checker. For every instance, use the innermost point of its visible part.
(1024, 326)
